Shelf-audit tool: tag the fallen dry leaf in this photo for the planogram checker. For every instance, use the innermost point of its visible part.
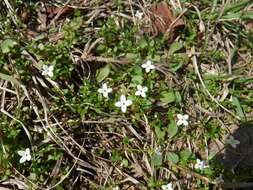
(162, 20)
(249, 22)
(42, 20)
(31, 34)
(4, 188)
(48, 13)
(52, 11)
(56, 37)
(249, 25)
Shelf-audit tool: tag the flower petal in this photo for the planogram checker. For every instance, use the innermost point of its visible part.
(137, 93)
(44, 67)
(186, 116)
(152, 67)
(167, 187)
(237, 142)
(44, 72)
(27, 151)
(118, 104)
(139, 87)
(21, 152)
(50, 73)
(147, 69)
(149, 63)
(179, 122)
(233, 145)
(22, 160)
(28, 157)
(128, 102)
(143, 94)
(200, 164)
(139, 14)
(100, 90)
(197, 166)
(144, 89)
(123, 108)
(144, 65)
(104, 86)
(179, 116)
(105, 94)
(122, 98)
(185, 123)
(109, 90)
(51, 68)
(116, 188)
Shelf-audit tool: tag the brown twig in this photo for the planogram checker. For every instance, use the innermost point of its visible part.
(104, 60)
(188, 171)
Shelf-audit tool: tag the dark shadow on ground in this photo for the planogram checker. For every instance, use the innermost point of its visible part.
(238, 162)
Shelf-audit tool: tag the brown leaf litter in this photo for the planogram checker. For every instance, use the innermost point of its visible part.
(163, 21)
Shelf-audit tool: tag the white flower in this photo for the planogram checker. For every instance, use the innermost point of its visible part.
(123, 103)
(148, 66)
(115, 188)
(138, 15)
(158, 151)
(231, 141)
(48, 70)
(182, 119)
(141, 91)
(200, 164)
(105, 90)
(25, 155)
(167, 187)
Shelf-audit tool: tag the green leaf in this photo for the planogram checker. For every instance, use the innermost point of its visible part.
(115, 156)
(156, 159)
(168, 97)
(172, 157)
(212, 155)
(232, 16)
(11, 79)
(137, 79)
(103, 73)
(174, 47)
(175, 66)
(185, 155)
(178, 96)
(239, 109)
(247, 15)
(172, 129)
(7, 45)
(152, 183)
(156, 58)
(125, 163)
(159, 133)
(143, 44)
(177, 61)
(237, 6)
(131, 56)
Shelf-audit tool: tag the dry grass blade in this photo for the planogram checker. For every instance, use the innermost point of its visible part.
(14, 81)
(11, 12)
(83, 138)
(194, 61)
(59, 13)
(105, 60)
